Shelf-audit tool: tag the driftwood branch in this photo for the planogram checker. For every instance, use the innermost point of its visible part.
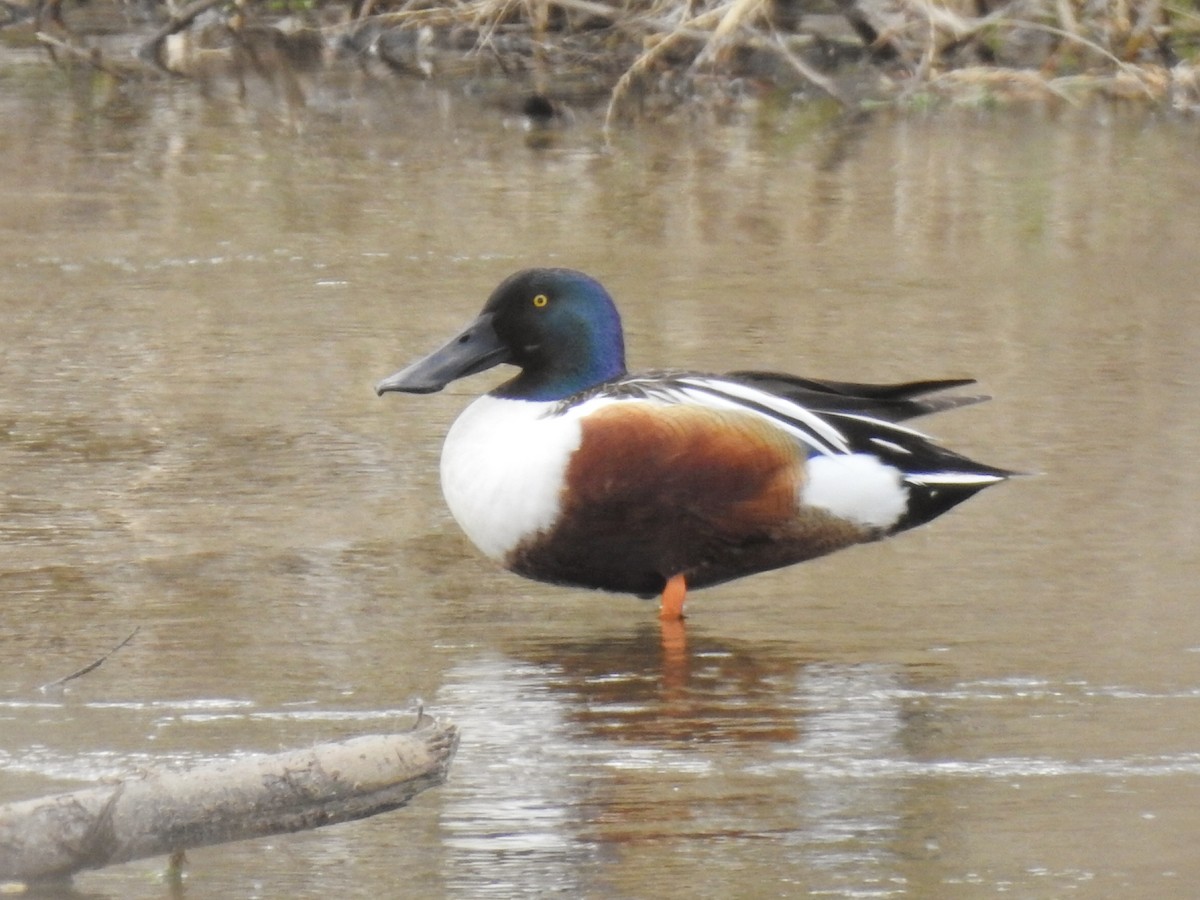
(230, 800)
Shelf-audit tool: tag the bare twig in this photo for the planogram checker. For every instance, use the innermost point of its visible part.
(151, 50)
(808, 72)
(88, 55)
(95, 664)
(704, 22)
(1135, 72)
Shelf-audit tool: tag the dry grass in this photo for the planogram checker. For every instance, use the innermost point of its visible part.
(642, 57)
(650, 53)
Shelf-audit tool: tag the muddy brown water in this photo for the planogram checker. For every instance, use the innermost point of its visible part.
(197, 294)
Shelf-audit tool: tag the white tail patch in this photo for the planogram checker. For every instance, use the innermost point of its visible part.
(856, 486)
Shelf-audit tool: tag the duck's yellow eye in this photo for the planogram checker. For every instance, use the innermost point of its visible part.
(540, 300)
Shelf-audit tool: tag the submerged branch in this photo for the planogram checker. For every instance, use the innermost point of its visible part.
(92, 666)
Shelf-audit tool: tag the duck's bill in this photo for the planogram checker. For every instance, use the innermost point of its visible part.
(472, 350)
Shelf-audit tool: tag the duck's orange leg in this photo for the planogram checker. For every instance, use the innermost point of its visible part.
(672, 599)
(673, 634)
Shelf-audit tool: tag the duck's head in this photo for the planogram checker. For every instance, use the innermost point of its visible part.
(559, 326)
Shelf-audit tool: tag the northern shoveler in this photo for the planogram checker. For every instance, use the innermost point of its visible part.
(576, 472)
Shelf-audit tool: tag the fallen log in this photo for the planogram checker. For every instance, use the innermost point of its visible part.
(229, 800)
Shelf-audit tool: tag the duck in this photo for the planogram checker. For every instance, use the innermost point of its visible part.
(577, 472)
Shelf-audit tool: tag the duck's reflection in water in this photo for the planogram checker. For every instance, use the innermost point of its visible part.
(627, 751)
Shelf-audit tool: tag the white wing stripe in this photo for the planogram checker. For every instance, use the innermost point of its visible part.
(803, 423)
(927, 479)
(882, 424)
(890, 445)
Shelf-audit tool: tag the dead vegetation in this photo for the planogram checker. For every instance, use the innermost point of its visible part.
(641, 57)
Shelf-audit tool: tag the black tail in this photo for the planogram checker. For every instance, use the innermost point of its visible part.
(889, 402)
(937, 479)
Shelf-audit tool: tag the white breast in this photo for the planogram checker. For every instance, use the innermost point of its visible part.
(503, 466)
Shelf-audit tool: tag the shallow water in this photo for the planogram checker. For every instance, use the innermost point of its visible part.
(197, 295)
